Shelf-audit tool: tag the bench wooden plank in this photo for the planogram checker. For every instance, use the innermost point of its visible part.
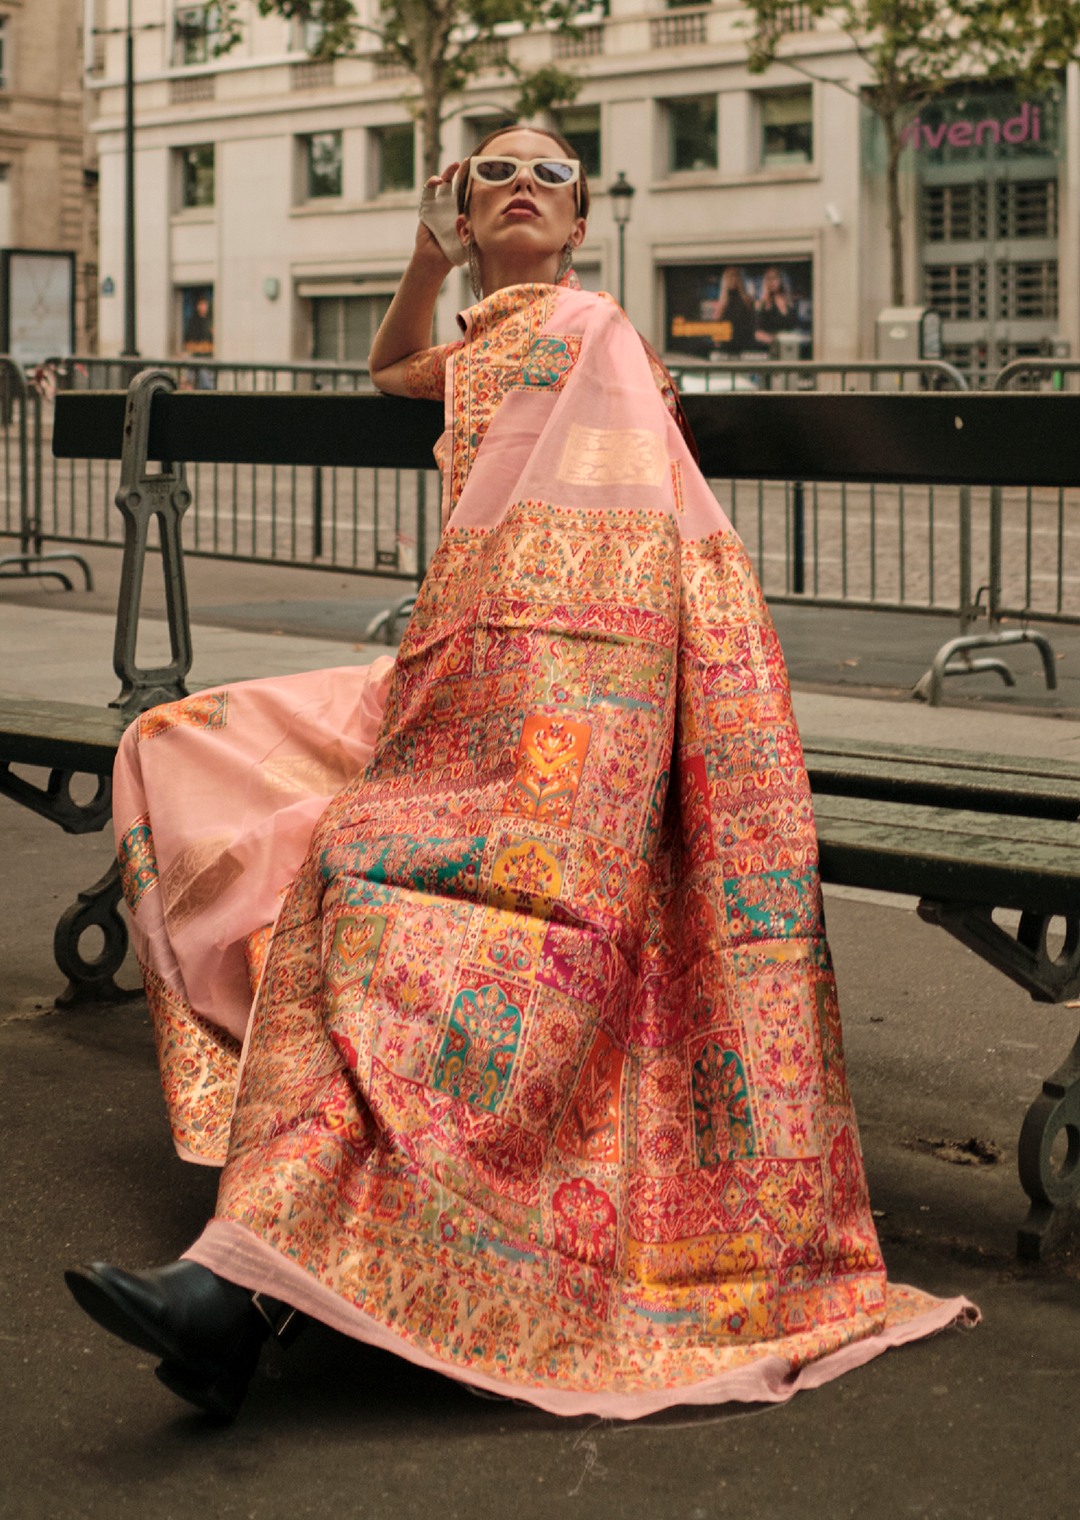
(942, 438)
(989, 784)
(944, 853)
(62, 735)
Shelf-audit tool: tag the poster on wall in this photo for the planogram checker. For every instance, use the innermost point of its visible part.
(736, 311)
(37, 304)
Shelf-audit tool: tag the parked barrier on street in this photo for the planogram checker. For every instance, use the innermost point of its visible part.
(353, 521)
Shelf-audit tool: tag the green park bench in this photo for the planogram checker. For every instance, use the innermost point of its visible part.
(966, 834)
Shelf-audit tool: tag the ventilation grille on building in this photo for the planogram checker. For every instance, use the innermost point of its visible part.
(313, 74)
(958, 291)
(197, 87)
(1027, 208)
(954, 213)
(676, 31)
(1027, 291)
(582, 42)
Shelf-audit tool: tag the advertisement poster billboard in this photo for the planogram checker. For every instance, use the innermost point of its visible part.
(38, 307)
(736, 310)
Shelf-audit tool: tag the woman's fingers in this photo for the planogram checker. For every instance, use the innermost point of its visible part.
(442, 179)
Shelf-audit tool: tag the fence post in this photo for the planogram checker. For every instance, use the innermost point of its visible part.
(967, 616)
(316, 513)
(798, 539)
(993, 592)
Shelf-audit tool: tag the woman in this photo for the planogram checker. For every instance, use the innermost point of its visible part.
(543, 1083)
(775, 309)
(736, 307)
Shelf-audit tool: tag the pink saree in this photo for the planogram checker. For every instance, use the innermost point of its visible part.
(543, 1082)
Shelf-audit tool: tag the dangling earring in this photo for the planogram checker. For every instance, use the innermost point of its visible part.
(565, 262)
(474, 272)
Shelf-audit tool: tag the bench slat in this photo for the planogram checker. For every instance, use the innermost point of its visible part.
(1025, 863)
(62, 735)
(905, 775)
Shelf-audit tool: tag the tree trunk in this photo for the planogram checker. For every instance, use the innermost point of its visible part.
(431, 123)
(895, 220)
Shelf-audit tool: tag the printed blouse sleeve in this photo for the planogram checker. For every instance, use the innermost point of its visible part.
(425, 373)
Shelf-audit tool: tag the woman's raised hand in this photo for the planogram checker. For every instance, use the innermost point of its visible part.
(427, 244)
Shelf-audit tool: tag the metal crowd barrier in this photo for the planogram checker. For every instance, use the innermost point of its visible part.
(1032, 566)
(356, 522)
(953, 550)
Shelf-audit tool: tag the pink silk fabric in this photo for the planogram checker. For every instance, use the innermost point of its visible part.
(543, 1085)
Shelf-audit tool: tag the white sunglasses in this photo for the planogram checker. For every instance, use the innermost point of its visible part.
(500, 169)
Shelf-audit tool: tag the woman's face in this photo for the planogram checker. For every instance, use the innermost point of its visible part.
(522, 219)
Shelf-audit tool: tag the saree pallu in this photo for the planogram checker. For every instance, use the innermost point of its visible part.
(544, 1082)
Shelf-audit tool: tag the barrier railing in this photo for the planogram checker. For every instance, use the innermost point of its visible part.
(895, 548)
(358, 522)
(1032, 567)
(907, 548)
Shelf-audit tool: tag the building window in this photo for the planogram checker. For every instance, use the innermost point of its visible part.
(580, 125)
(1027, 208)
(196, 175)
(479, 127)
(343, 328)
(196, 320)
(323, 165)
(195, 34)
(691, 130)
(395, 158)
(787, 128)
(5, 61)
(735, 311)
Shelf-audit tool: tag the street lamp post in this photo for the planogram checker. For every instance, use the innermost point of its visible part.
(622, 193)
(130, 346)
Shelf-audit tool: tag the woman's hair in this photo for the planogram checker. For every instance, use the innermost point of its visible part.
(783, 286)
(464, 182)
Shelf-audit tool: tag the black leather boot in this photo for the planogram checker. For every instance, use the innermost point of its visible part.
(207, 1330)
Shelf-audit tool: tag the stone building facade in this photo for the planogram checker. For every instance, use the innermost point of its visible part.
(277, 195)
(48, 175)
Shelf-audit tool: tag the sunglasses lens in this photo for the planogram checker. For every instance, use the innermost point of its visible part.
(554, 172)
(496, 171)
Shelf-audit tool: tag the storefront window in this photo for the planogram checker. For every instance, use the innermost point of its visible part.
(343, 328)
(787, 128)
(731, 311)
(691, 124)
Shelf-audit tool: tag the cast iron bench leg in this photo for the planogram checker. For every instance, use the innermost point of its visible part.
(1054, 1190)
(91, 981)
(1053, 1186)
